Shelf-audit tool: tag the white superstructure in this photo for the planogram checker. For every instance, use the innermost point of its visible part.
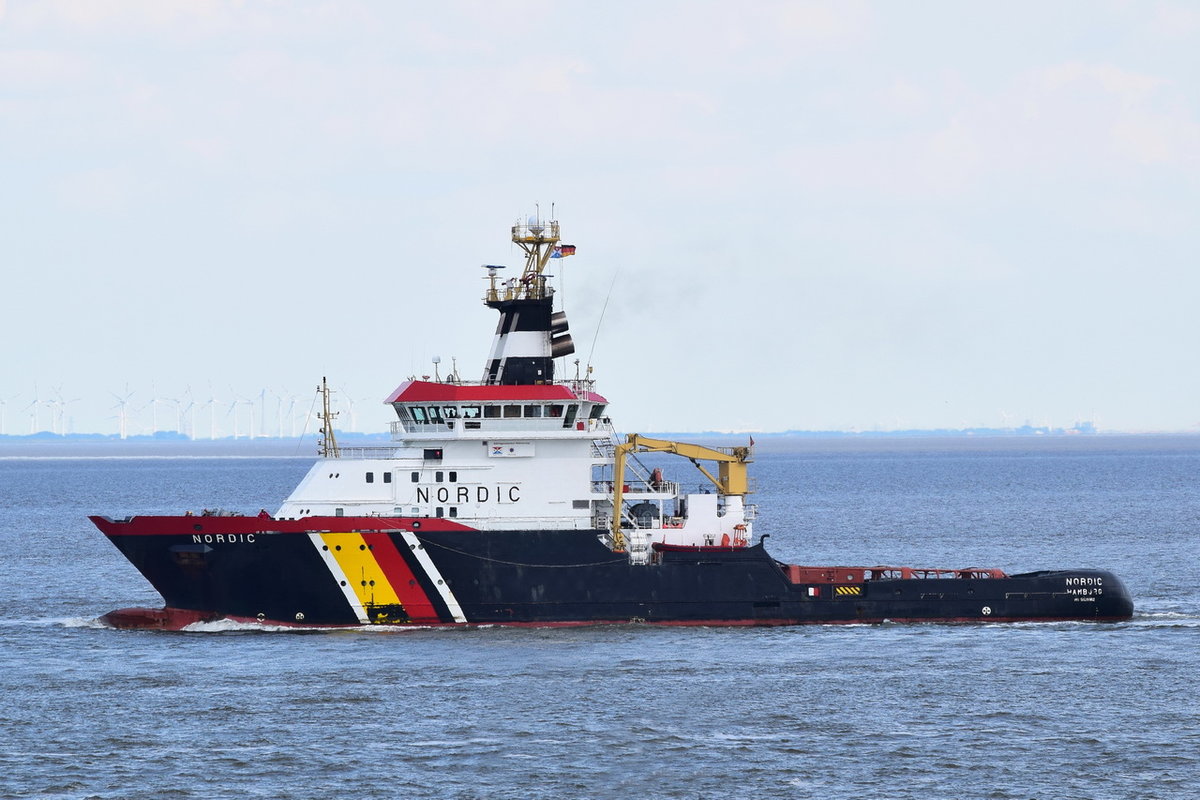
(520, 450)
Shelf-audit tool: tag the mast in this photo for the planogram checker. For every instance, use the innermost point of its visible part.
(530, 335)
(327, 445)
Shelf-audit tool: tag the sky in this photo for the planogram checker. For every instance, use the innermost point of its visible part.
(788, 215)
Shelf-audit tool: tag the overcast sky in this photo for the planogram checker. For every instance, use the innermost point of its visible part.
(811, 215)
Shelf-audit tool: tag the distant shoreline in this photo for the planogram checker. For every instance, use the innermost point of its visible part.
(174, 446)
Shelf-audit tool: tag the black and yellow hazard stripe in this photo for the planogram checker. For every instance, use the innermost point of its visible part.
(847, 591)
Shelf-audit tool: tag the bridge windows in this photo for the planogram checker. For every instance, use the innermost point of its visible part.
(447, 415)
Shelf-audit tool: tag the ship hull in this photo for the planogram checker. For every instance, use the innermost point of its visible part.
(344, 571)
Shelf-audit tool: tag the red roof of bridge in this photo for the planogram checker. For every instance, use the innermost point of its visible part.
(429, 392)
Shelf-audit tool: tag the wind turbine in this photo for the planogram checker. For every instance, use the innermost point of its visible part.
(233, 410)
(155, 399)
(211, 402)
(262, 412)
(122, 414)
(181, 411)
(292, 413)
(3, 408)
(278, 413)
(350, 409)
(249, 403)
(239, 400)
(58, 408)
(32, 408)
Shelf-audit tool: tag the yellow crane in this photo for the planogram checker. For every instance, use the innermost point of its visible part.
(732, 474)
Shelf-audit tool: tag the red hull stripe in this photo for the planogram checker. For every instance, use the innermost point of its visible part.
(405, 584)
(199, 525)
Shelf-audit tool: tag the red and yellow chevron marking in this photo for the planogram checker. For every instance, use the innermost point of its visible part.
(377, 575)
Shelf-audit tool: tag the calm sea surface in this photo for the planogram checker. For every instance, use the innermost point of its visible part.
(896, 711)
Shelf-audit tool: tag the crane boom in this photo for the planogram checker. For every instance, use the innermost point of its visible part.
(732, 475)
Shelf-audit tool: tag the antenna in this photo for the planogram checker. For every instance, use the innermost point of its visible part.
(600, 321)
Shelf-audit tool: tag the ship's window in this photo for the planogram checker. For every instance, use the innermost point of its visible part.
(570, 420)
(491, 412)
(370, 477)
(416, 476)
(554, 411)
(470, 412)
(403, 414)
(433, 454)
(533, 411)
(580, 504)
(453, 477)
(435, 415)
(416, 512)
(454, 511)
(418, 413)
(472, 424)
(597, 411)
(339, 512)
(437, 476)
(387, 477)
(512, 411)
(450, 412)
(441, 512)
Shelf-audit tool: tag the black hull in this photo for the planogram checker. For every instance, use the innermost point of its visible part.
(254, 570)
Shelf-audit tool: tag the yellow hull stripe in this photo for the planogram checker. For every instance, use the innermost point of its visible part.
(352, 563)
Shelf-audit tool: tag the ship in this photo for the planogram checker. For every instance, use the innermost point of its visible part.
(512, 500)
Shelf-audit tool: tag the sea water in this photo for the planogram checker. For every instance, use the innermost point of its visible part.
(1059, 710)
